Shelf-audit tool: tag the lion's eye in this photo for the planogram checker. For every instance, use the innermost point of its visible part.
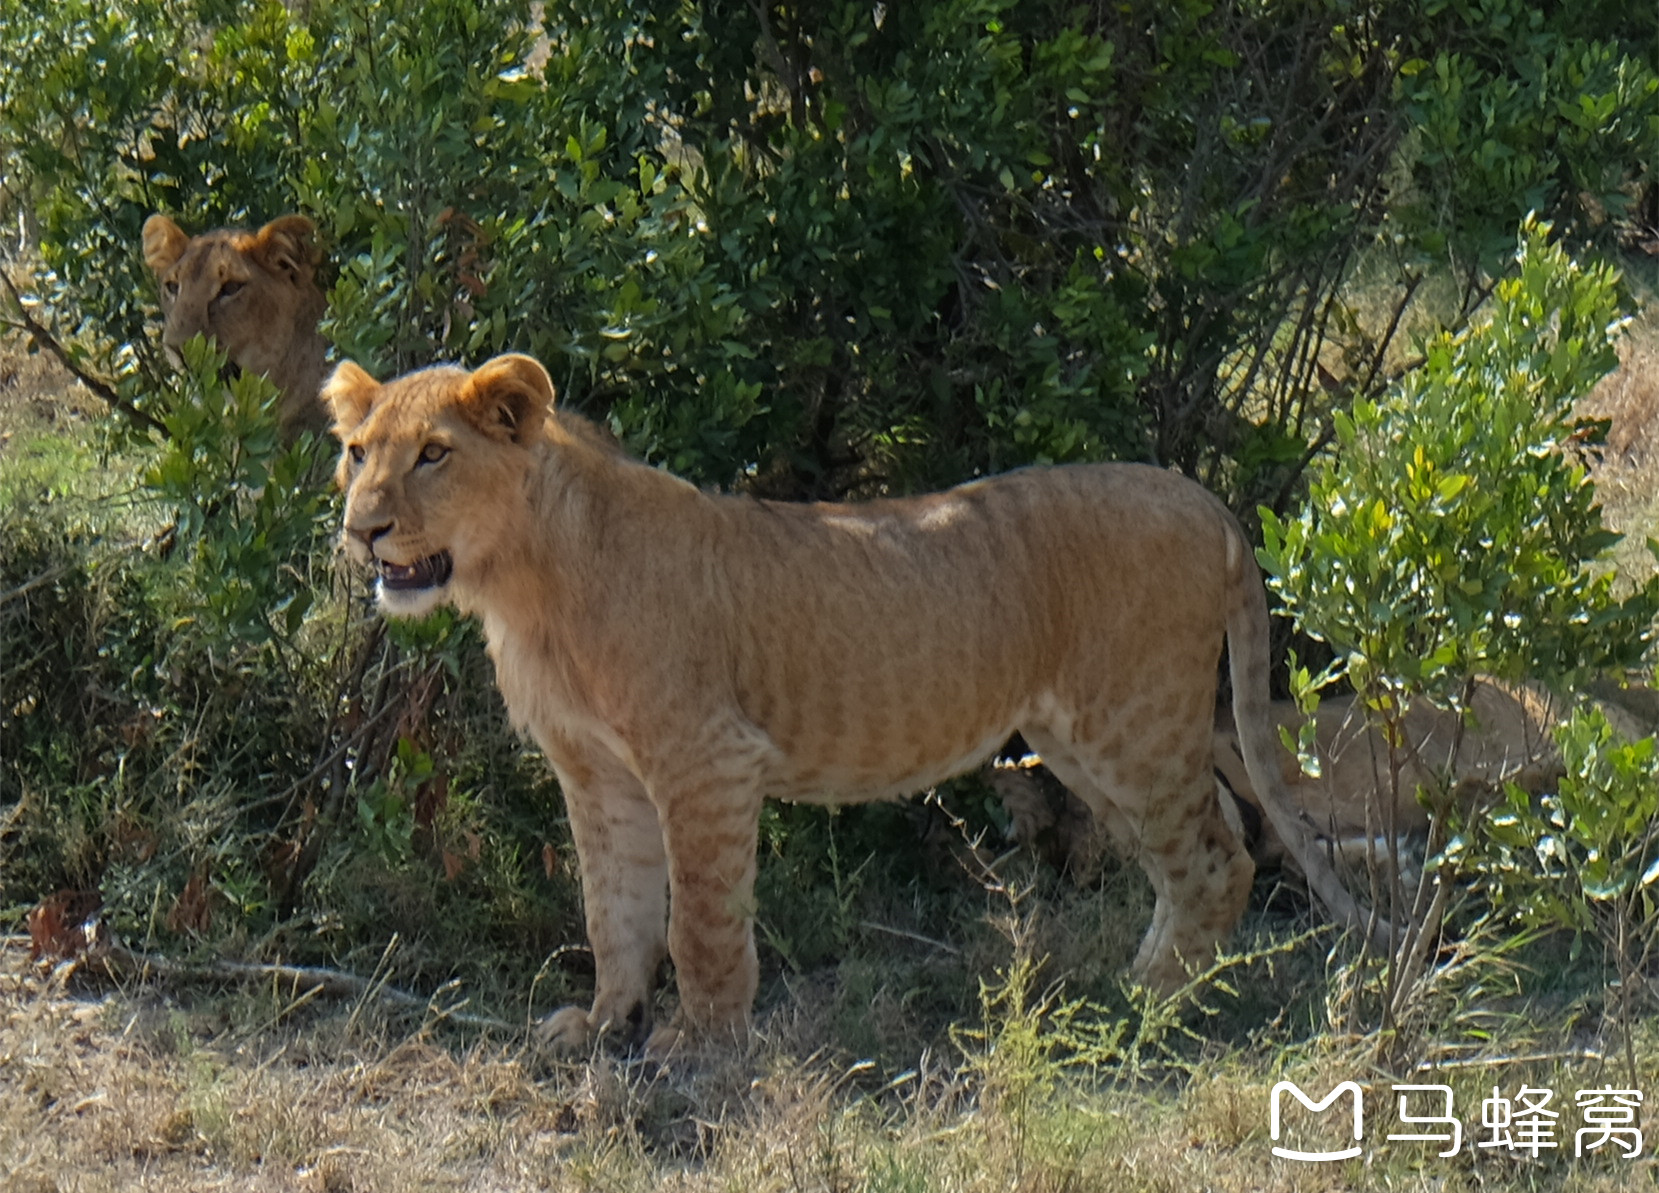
(172, 289)
(229, 288)
(356, 452)
(433, 452)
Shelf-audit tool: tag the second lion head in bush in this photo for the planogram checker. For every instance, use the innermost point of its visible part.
(680, 655)
(256, 294)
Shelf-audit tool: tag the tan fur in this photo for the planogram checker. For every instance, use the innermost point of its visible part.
(1351, 803)
(680, 656)
(256, 294)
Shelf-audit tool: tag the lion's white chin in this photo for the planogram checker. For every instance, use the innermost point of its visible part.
(410, 602)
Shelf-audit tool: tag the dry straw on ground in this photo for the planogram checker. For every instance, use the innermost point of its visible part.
(1627, 472)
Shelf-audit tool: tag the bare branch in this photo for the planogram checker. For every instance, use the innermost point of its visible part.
(30, 585)
(43, 336)
(302, 979)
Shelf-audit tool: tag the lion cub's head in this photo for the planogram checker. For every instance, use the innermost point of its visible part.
(253, 292)
(434, 468)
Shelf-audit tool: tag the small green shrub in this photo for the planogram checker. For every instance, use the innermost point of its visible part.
(1585, 857)
(252, 517)
(1456, 534)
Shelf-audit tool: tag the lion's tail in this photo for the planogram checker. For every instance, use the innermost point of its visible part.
(1247, 650)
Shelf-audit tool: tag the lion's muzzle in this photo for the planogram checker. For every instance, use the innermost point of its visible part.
(432, 572)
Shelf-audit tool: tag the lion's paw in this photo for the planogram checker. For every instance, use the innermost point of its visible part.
(663, 1043)
(567, 1030)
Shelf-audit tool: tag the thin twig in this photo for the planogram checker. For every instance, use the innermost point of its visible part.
(356, 738)
(29, 586)
(1535, 1058)
(9, 825)
(310, 978)
(916, 936)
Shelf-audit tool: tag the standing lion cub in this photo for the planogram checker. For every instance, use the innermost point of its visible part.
(681, 656)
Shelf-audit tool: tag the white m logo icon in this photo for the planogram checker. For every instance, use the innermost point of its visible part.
(1347, 1087)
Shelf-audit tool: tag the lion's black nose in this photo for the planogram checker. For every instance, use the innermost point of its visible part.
(367, 534)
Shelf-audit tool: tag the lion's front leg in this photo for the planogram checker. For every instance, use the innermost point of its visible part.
(619, 846)
(711, 834)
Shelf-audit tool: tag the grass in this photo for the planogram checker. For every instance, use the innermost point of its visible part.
(130, 1089)
(1627, 474)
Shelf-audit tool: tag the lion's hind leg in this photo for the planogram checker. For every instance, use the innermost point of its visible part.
(1162, 809)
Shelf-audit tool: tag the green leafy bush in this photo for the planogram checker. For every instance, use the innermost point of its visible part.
(1534, 115)
(826, 249)
(1586, 856)
(1582, 859)
(1455, 532)
(250, 514)
(1454, 535)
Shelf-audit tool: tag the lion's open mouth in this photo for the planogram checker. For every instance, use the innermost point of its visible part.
(431, 572)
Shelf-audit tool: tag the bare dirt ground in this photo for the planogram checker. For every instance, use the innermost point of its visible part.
(38, 396)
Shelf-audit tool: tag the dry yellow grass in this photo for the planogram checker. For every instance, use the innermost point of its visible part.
(1627, 474)
(116, 1090)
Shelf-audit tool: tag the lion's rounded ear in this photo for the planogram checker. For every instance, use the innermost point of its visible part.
(348, 394)
(508, 398)
(164, 243)
(288, 245)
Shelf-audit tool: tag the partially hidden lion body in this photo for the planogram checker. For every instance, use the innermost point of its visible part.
(680, 656)
(255, 292)
(1503, 735)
